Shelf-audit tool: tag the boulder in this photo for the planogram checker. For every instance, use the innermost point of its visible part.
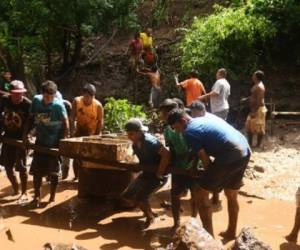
(52, 246)
(192, 236)
(248, 241)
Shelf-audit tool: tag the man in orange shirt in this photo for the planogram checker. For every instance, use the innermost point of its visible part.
(193, 88)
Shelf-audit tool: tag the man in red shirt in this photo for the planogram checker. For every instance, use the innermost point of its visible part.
(135, 50)
(193, 88)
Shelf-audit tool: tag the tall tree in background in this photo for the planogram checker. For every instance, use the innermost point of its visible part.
(50, 33)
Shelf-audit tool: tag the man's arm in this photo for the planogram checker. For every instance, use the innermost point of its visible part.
(208, 95)
(100, 114)
(164, 161)
(66, 127)
(204, 157)
(73, 118)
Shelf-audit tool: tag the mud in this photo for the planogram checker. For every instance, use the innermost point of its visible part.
(267, 206)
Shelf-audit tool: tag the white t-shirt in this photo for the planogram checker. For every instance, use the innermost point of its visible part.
(219, 102)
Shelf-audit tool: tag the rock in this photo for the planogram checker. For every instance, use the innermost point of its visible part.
(192, 236)
(51, 246)
(247, 241)
(259, 169)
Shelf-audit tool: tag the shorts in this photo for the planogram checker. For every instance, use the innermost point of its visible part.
(257, 124)
(45, 165)
(228, 176)
(143, 186)
(155, 96)
(222, 114)
(13, 157)
(181, 183)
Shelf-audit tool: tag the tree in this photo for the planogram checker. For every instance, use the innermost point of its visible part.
(50, 33)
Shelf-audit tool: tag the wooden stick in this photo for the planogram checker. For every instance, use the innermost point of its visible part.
(127, 166)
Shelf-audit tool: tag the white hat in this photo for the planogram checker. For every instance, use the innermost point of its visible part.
(17, 87)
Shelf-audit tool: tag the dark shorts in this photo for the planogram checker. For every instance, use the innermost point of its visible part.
(181, 183)
(228, 176)
(143, 186)
(13, 157)
(45, 165)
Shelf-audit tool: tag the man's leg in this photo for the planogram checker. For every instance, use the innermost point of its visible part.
(65, 167)
(259, 140)
(250, 139)
(292, 237)
(204, 207)
(175, 199)
(23, 178)
(145, 207)
(53, 186)
(13, 179)
(37, 183)
(194, 211)
(233, 211)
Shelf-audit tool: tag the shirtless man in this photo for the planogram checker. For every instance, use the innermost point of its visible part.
(256, 120)
(154, 79)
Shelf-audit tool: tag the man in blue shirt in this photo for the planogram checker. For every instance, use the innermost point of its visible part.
(51, 123)
(150, 152)
(209, 136)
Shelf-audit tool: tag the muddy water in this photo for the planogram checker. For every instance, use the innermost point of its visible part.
(267, 206)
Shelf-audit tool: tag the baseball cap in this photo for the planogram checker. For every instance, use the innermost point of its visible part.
(17, 87)
(134, 125)
(168, 104)
(89, 88)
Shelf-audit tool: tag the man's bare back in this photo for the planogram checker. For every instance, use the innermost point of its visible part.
(257, 98)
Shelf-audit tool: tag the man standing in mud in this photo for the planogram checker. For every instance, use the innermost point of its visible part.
(150, 152)
(14, 111)
(256, 120)
(210, 136)
(51, 123)
(87, 117)
(180, 160)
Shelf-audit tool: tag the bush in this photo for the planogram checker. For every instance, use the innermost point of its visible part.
(229, 38)
(118, 112)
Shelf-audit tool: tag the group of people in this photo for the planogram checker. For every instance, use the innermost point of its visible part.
(202, 151)
(47, 118)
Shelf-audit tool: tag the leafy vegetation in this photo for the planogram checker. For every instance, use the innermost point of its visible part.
(240, 36)
(228, 38)
(49, 34)
(118, 112)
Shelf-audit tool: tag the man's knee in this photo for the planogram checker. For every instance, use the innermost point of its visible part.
(231, 194)
(202, 196)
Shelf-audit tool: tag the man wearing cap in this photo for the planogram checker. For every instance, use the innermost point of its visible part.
(14, 114)
(87, 117)
(51, 122)
(150, 152)
(211, 136)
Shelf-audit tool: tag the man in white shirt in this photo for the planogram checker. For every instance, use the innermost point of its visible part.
(219, 95)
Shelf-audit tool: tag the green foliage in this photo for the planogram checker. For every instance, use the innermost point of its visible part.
(160, 12)
(51, 32)
(228, 38)
(118, 112)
